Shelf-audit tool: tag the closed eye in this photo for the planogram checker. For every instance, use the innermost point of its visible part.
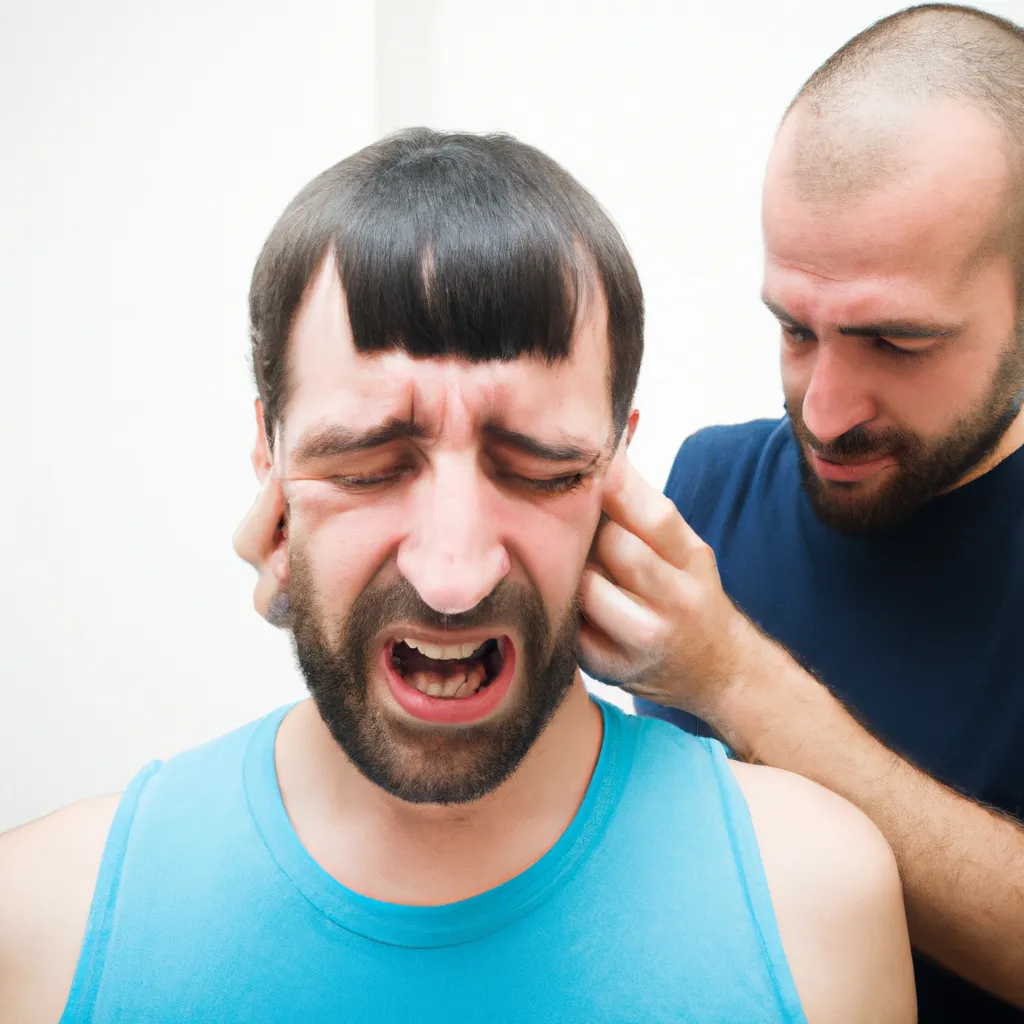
(358, 482)
(798, 335)
(549, 485)
(887, 347)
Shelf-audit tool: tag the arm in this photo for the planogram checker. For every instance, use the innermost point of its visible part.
(658, 620)
(48, 870)
(837, 899)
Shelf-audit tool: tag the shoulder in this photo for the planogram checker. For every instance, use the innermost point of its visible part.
(48, 871)
(837, 898)
(708, 459)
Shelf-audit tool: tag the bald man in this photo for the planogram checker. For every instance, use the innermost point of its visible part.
(877, 530)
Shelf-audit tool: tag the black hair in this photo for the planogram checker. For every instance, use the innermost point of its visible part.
(475, 246)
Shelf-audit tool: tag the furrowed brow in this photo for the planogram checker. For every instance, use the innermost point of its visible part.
(569, 451)
(334, 440)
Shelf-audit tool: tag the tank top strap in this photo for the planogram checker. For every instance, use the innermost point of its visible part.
(743, 841)
(85, 982)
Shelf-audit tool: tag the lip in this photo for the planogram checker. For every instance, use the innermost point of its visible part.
(849, 472)
(448, 710)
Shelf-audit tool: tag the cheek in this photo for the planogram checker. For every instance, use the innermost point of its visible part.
(343, 541)
(552, 542)
(928, 399)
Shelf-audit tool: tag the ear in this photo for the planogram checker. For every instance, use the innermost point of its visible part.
(634, 419)
(262, 460)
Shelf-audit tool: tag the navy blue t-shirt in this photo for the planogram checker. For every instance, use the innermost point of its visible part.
(919, 630)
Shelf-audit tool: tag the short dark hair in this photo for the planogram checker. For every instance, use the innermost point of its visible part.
(933, 50)
(447, 244)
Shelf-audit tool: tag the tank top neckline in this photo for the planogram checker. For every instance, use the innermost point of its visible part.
(447, 924)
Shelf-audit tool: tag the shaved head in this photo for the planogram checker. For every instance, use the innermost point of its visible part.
(852, 126)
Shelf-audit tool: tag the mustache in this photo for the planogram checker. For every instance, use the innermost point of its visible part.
(398, 601)
(857, 442)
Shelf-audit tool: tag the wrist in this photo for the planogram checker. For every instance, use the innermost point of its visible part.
(760, 681)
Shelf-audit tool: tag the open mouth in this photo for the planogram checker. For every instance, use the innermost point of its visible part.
(448, 671)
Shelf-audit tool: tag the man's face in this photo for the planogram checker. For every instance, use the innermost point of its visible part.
(900, 362)
(440, 515)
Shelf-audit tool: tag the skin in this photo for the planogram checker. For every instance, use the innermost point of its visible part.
(832, 878)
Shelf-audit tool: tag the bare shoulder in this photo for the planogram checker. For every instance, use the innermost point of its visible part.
(837, 899)
(48, 871)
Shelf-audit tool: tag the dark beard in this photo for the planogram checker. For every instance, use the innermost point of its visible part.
(924, 470)
(418, 762)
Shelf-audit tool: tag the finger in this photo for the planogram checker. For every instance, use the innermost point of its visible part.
(256, 535)
(622, 618)
(270, 595)
(600, 657)
(264, 593)
(643, 510)
(632, 564)
(279, 611)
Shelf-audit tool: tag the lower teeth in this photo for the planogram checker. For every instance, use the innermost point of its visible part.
(450, 689)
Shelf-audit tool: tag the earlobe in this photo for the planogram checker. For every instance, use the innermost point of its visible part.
(261, 458)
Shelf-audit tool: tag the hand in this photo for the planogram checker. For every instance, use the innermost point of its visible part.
(260, 540)
(656, 619)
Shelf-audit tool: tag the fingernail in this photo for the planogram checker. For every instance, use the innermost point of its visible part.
(279, 610)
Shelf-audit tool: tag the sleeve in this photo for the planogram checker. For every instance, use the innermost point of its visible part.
(686, 478)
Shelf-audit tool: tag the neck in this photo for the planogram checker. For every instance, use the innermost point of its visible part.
(423, 854)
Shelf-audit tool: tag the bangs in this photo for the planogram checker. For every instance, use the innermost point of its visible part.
(476, 247)
(438, 267)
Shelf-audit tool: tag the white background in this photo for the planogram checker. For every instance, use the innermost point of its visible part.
(147, 150)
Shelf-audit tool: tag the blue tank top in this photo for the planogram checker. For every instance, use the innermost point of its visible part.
(652, 906)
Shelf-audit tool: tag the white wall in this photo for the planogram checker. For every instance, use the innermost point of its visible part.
(148, 149)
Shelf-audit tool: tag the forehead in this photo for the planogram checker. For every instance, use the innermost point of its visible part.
(331, 382)
(922, 224)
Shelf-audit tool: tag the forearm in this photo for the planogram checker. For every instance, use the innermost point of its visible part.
(962, 865)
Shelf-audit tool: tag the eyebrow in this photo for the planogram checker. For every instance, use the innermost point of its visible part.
(905, 329)
(332, 441)
(335, 440)
(570, 451)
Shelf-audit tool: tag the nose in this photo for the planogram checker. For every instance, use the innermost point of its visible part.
(838, 397)
(454, 554)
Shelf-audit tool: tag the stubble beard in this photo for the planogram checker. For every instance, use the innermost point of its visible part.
(924, 469)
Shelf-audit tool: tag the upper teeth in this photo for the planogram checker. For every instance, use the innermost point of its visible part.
(444, 652)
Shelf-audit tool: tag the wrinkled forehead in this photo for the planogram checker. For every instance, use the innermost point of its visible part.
(450, 399)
